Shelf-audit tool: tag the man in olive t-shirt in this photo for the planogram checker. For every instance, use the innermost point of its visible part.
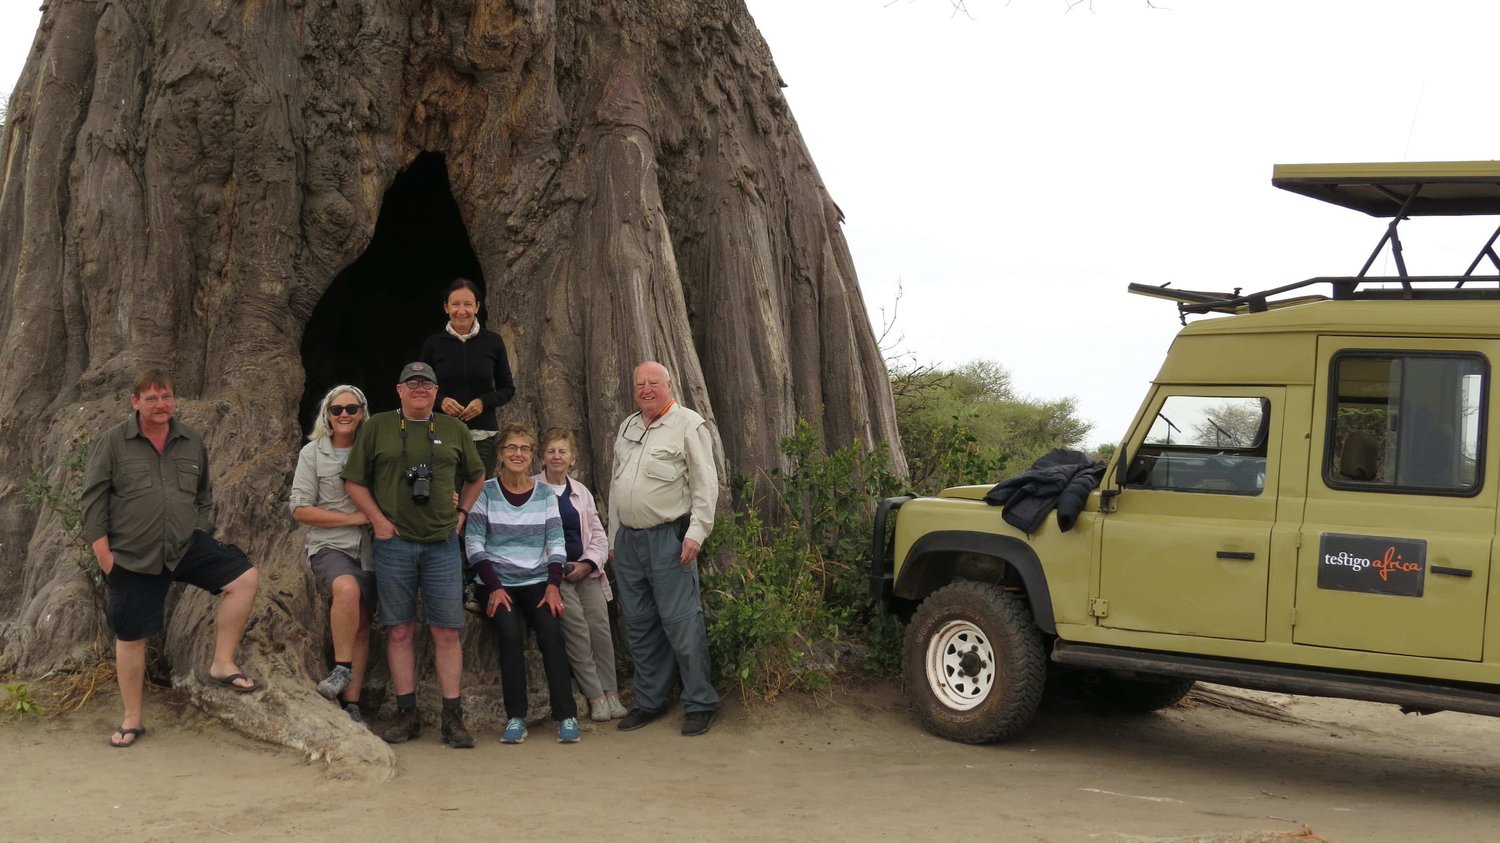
(401, 473)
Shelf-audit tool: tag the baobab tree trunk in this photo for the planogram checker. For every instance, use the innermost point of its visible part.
(268, 198)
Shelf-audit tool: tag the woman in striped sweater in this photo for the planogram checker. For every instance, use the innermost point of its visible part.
(514, 536)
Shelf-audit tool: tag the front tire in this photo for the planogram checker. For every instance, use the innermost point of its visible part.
(974, 663)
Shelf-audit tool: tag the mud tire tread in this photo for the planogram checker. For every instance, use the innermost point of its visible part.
(1022, 662)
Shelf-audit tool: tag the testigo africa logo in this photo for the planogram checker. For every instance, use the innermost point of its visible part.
(1390, 561)
(1372, 564)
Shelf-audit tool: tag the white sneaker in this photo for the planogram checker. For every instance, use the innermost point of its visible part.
(599, 709)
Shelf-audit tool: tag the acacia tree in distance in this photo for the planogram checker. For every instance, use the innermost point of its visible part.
(182, 183)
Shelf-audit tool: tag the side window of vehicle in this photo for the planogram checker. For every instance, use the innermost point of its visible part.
(1406, 422)
(1213, 445)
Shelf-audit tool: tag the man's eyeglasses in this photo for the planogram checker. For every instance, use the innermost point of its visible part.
(419, 385)
(340, 409)
(637, 439)
(513, 448)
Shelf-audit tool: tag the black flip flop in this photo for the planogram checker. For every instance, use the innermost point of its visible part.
(139, 732)
(228, 682)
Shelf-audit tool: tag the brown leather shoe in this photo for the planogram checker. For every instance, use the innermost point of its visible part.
(408, 725)
(454, 733)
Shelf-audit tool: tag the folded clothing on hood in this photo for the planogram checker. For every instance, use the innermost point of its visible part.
(1061, 480)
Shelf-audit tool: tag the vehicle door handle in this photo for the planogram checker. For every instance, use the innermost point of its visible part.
(1236, 554)
(1452, 572)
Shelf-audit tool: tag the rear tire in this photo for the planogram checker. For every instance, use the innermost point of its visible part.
(974, 663)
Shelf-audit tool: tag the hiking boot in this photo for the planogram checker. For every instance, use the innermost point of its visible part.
(616, 708)
(352, 709)
(568, 731)
(407, 727)
(697, 722)
(515, 731)
(638, 717)
(454, 733)
(599, 709)
(335, 683)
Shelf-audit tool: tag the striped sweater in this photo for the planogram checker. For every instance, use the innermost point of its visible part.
(517, 544)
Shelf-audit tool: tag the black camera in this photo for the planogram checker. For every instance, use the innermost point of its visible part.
(420, 478)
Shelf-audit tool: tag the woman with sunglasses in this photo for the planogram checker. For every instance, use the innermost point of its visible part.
(515, 539)
(338, 543)
(473, 371)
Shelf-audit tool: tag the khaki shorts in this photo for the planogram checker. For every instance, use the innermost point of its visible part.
(329, 564)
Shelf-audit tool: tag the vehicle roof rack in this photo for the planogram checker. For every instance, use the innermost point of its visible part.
(1397, 191)
(1409, 288)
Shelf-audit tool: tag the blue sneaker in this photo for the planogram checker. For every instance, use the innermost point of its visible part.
(568, 731)
(515, 731)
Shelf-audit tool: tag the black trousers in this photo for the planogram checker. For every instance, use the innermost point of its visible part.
(549, 639)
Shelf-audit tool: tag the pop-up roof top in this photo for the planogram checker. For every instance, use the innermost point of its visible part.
(1396, 191)
(1407, 189)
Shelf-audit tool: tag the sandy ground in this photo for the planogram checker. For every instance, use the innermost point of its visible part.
(853, 767)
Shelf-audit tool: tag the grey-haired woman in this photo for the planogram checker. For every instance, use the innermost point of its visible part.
(338, 543)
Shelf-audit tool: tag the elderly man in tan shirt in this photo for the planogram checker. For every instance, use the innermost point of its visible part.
(661, 508)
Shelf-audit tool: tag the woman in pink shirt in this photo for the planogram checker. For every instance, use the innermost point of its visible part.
(586, 593)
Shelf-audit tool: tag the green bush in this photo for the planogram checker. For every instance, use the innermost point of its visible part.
(18, 700)
(969, 425)
(790, 598)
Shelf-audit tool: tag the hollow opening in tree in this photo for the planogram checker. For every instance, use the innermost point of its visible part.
(375, 314)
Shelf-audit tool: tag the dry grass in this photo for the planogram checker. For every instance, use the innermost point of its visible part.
(74, 689)
(62, 691)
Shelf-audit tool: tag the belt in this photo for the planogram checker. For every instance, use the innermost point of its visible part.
(681, 522)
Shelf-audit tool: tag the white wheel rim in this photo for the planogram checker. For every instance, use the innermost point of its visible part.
(960, 665)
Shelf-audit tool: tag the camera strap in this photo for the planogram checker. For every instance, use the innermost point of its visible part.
(431, 443)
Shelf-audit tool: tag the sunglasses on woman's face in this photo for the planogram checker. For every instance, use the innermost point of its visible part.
(340, 409)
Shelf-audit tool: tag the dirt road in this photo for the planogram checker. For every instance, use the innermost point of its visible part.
(855, 768)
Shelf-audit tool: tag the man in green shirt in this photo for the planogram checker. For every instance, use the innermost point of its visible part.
(401, 473)
(148, 516)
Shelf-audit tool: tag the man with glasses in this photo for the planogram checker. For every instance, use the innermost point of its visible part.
(661, 508)
(148, 517)
(401, 474)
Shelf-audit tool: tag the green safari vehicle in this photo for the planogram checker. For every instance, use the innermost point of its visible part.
(1306, 502)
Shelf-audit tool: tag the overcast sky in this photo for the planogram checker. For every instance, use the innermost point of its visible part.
(1015, 168)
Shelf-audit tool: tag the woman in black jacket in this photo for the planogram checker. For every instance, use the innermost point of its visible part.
(472, 369)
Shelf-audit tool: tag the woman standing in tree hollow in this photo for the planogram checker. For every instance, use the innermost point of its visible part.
(473, 371)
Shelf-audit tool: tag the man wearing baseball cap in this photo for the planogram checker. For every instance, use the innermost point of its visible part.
(401, 473)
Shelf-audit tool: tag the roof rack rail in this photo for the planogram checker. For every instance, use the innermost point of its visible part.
(1408, 288)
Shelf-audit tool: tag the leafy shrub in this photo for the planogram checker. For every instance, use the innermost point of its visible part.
(969, 424)
(18, 700)
(791, 595)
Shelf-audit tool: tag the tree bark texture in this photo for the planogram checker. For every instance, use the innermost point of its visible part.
(181, 181)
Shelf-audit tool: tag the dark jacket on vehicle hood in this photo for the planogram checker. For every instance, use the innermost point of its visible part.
(1060, 480)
